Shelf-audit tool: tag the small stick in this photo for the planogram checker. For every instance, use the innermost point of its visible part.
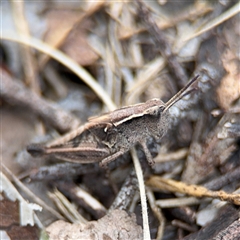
(174, 66)
(125, 195)
(14, 92)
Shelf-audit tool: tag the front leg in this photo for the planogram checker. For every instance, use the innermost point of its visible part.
(147, 153)
(112, 157)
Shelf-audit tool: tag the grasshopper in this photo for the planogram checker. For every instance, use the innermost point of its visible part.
(106, 137)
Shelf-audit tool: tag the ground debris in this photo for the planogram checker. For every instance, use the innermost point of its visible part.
(65, 62)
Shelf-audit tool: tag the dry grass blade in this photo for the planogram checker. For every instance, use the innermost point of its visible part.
(137, 166)
(215, 22)
(144, 77)
(28, 60)
(177, 202)
(66, 207)
(32, 195)
(171, 156)
(158, 213)
(66, 61)
(192, 190)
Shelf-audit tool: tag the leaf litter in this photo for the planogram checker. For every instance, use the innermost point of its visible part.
(129, 52)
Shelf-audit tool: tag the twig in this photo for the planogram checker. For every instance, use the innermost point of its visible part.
(61, 170)
(174, 66)
(230, 233)
(193, 190)
(183, 225)
(221, 181)
(16, 93)
(125, 195)
(226, 218)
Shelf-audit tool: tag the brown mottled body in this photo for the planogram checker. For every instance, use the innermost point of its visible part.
(104, 138)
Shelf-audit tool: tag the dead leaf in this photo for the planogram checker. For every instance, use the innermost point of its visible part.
(70, 34)
(76, 45)
(10, 211)
(11, 221)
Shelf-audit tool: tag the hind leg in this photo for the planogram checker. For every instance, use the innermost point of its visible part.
(112, 157)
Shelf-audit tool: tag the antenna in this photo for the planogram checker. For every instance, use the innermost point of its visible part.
(182, 93)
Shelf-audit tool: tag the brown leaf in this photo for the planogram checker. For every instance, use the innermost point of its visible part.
(70, 34)
(76, 45)
(10, 222)
(10, 211)
(27, 232)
